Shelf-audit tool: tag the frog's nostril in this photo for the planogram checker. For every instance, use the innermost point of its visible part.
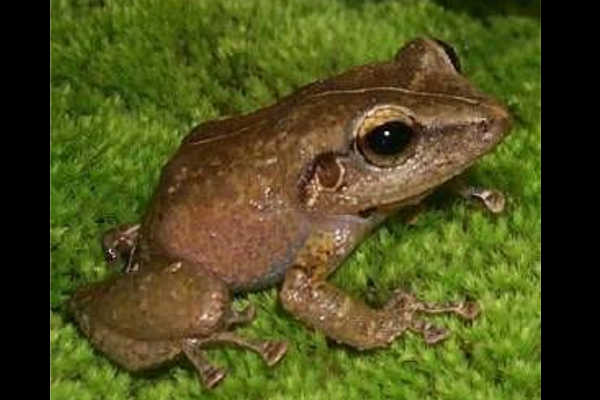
(499, 118)
(499, 110)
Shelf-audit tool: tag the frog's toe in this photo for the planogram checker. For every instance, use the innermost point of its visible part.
(400, 301)
(435, 335)
(212, 376)
(468, 310)
(492, 199)
(208, 373)
(274, 351)
(431, 334)
(270, 350)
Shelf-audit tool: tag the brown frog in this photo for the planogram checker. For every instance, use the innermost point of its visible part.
(285, 194)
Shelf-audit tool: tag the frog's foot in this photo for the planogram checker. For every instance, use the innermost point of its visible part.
(431, 333)
(121, 242)
(245, 316)
(270, 350)
(465, 309)
(209, 374)
(414, 214)
(492, 199)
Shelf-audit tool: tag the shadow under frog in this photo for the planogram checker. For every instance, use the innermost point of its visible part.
(282, 196)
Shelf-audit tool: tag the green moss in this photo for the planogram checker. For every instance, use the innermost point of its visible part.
(130, 78)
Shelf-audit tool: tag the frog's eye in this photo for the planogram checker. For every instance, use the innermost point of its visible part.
(451, 53)
(389, 139)
(386, 144)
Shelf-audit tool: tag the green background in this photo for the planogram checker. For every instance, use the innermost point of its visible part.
(130, 78)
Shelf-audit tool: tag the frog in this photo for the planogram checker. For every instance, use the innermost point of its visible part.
(280, 197)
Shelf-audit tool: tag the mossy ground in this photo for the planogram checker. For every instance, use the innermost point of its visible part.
(130, 78)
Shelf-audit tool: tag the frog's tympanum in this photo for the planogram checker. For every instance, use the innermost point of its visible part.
(282, 196)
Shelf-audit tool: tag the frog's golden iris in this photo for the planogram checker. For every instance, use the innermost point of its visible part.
(388, 139)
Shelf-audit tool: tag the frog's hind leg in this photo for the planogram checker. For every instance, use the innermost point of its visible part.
(491, 198)
(209, 374)
(270, 350)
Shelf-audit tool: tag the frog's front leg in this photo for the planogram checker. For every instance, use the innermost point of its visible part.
(492, 199)
(307, 295)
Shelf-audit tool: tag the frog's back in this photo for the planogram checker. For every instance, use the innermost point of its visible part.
(241, 195)
(222, 203)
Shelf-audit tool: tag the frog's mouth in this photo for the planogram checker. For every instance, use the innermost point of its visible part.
(394, 206)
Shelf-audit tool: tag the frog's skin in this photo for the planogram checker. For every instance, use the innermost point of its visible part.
(285, 194)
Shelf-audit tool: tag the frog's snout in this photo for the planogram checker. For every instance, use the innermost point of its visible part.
(498, 123)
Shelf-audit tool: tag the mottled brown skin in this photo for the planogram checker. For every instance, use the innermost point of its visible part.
(284, 195)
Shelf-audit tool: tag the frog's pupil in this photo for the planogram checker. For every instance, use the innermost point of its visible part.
(389, 139)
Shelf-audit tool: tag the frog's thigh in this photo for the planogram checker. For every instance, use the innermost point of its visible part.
(177, 299)
(133, 354)
(139, 319)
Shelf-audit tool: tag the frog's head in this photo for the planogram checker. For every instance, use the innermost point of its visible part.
(400, 129)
